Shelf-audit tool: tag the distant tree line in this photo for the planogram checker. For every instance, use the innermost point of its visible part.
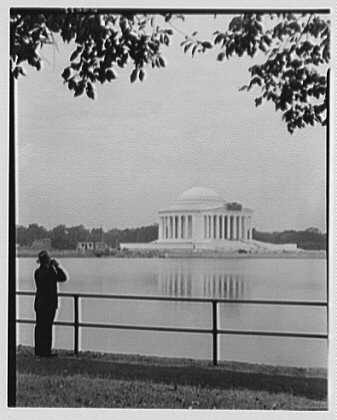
(63, 237)
(310, 238)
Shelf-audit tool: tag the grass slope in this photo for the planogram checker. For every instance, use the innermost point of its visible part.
(93, 380)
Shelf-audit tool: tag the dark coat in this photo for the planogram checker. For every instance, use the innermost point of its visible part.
(46, 279)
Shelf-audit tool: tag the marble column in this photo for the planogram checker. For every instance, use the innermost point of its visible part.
(160, 228)
(234, 227)
(238, 219)
(228, 227)
(178, 227)
(244, 236)
(212, 227)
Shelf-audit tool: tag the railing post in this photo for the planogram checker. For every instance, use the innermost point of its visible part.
(76, 322)
(215, 333)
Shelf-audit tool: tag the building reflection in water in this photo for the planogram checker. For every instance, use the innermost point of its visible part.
(208, 285)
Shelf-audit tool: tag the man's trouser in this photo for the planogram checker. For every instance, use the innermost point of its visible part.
(43, 330)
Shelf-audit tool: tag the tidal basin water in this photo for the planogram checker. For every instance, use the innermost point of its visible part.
(277, 279)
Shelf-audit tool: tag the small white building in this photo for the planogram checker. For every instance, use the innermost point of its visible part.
(85, 246)
(91, 246)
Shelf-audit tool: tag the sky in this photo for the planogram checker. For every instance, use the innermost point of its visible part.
(114, 162)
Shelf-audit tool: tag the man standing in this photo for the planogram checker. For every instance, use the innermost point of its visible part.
(45, 305)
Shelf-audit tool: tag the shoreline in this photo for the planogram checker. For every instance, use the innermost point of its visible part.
(166, 254)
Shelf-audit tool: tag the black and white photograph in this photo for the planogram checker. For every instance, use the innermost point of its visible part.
(171, 209)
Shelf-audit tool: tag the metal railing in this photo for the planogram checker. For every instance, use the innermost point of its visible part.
(214, 331)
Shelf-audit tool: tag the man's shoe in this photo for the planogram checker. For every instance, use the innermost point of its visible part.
(49, 355)
(52, 355)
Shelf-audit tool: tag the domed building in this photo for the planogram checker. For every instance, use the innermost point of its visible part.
(201, 217)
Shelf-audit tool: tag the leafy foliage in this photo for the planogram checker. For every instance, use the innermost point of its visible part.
(293, 75)
(310, 238)
(104, 42)
(25, 236)
(63, 237)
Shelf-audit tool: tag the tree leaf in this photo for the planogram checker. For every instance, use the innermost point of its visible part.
(75, 53)
(66, 73)
(161, 61)
(207, 44)
(133, 75)
(187, 47)
(90, 90)
(255, 81)
(110, 74)
(141, 75)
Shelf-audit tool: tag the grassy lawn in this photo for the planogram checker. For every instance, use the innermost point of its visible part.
(120, 381)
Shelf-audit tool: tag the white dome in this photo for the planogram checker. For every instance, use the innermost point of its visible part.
(197, 198)
(200, 194)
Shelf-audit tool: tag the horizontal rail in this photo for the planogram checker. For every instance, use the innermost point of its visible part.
(123, 327)
(215, 331)
(31, 321)
(182, 299)
(186, 330)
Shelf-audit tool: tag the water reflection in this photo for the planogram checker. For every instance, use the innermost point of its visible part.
(187, 284)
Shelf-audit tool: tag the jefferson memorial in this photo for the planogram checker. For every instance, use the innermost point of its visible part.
(202, 217)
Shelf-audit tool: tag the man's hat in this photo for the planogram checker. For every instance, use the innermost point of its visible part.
(43, 256)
